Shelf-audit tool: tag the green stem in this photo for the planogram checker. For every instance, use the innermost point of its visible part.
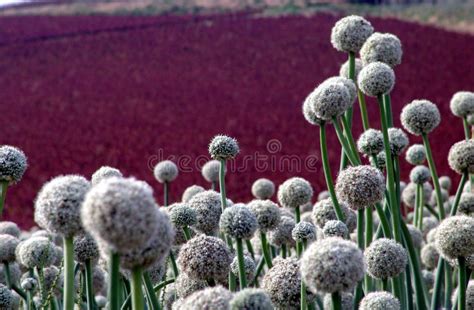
(297, 214)
(395, 218)
(213, 185)
(240, 260)
(344, 143)
(166, 194)
(360, 229)
(8, 277)
(173, 264)
(155, 304)
(250, 248)
(163, 284)
(436, 297)
(336, 301)
(419, 284)
(408, 288)
(434, 175)
(432, 211)
(327, 173)
(68, 294)
(137, 294)
(350, 139)
(114, 280)
(388, 109)
(467, 131)
(459, 192)
(3, 196)
(384, 222)
(363, 110)
(222, 184)
(187, 233)
(448, 286)
(89, 289)
(369, 226)
(304, 301)
(385, 285)
(462, 283)
(258, 270)
(283, 250)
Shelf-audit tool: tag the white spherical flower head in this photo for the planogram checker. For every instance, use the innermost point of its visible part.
(416, 154)
(238, 222)
(283, 284)
(13, 164)
(9, 228)
(36, 252)
(323, 212)
(249, 267)
(263, 189)
(398, 140)
(85, 249)
(282, 234)
(383, 47)
(420, 174)
(191, 191)
(6, 298)
(105, 172)
(332, 265)
(223, 147)
(462, 103)
(181, 214)
(210, 171)
(335, 228)
(185, 285)
(330, 100)
(155, 250)
(385, 258)
(267, 213)
(121, 213)
(58, 205)
(376, 79)
(370, 142)
(466, 204)
(209, 298)
(165, 171)
(8, 245)
(304, 232)
(445, 182)
(207, 206)
(344, 70)
(295, 192)
(420, 117)
(204, 257)
(455, 237)
(461, 156)
(251, 298)
(360, 186)
(308, 113)
(430, 256)
(350, 85)
(379, 301)
(350, 33)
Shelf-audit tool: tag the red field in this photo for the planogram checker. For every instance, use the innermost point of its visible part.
(81, 92)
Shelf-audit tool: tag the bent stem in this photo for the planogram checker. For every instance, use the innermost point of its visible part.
(89, 289)
(3, 196)
(459, 192)
(240, 258)
(344, 143)
(187, 233)
(68, 294)
(462, 283)
(266, 250)
(137, 294)
(114, 280)
(363, 110)
(327, 173)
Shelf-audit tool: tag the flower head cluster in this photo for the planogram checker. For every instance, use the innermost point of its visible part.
(294, 192)
(13, 164)
(223, 147)
(350, 33)
(420, 117)
(165, 171)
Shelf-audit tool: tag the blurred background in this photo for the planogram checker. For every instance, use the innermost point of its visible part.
(129, 83)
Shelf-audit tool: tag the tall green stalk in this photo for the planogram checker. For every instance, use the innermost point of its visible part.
(327, 173)
(467, 130)
(68, 294)
(462, 283)
(166, 189)
(266, 250)
(154, 303)
(395, 218)
(459, 191)
(114, 281)
(89, 286)
(363, 110)
(8, 277)
(137, 293)
(434, 175)
(303, 296)
(3, 196)
(336, 301)
(344, 143)
(240, 260)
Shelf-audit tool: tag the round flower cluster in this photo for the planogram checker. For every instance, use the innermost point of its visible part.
(385, 258)
(350, 33)
(294, 193)
(165, 171)
(223, 147)
(420, 117)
